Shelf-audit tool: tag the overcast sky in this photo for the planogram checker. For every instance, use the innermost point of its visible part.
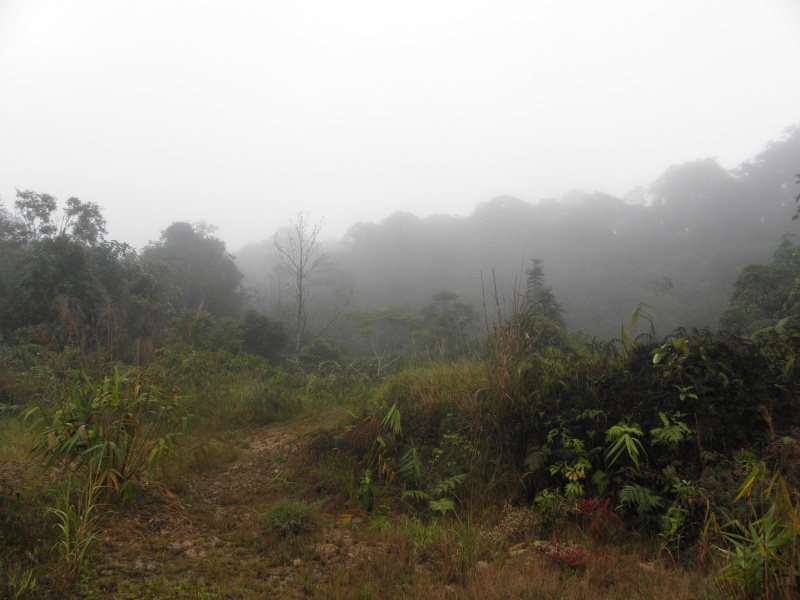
(242, 113)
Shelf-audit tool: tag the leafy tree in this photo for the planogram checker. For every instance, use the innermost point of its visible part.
(320, 351)
(200, 272)
(450, 320)
(37, 219)
(299, 251)
(387, 331)
(35, 212)
(59, 277)
(263, 336)
(765, 294)
(67, 286)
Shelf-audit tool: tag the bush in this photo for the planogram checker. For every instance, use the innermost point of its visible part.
(114, 430)
(272, 402)
(292, 518)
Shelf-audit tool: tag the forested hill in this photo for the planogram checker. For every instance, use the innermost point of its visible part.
(677, 244)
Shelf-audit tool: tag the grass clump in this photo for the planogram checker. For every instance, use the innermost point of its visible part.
(289, 518)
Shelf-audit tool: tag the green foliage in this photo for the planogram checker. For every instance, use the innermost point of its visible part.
(289, 518)
(436, 496)
(319, 352)
(763, 295)
(202, 331)
(627, 335)
(450, 324)
(78, 523)
(391, 421)
(198, 273)
(276, 400)
(640, 497)
(672, 432)
(263, 336)
(387, 334)
(539, 298)
(761, 548)
(114, 430)
(38, 218)
(624, 438)
(411, 468)
(25, 532)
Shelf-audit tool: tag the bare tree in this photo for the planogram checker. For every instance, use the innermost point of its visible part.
(299, 251)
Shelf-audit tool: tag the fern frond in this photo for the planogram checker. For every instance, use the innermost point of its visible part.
(537, 458)
(411, 468)
(418, 495)
(642, 498)
(442, 506)
(449, 485)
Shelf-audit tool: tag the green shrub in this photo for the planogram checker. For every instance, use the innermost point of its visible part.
(273, 401)
(292, 518)
(115, 430)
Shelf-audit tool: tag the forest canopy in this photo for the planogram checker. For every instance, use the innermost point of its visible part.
(695, 245)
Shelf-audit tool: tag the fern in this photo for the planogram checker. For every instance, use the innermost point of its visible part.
(537, 458)
(601, 481)
(411, 467)
(642, 498)
(672, 433)
(441, 506)
(449, 485)
(418, 495)
(434, 497)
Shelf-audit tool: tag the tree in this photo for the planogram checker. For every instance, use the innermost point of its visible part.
(60, 276)
(203, 275)
(36, 218)
(449, 319)
(300, 252)
(539, 298)
(541, 319)
(263, 336)
(765, 294)
(388, 331)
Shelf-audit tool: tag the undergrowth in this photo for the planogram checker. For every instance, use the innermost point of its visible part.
(688, 444)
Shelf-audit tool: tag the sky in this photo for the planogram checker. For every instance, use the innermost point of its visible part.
(245, 113)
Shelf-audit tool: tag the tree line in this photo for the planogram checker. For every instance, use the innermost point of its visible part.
(695, 245)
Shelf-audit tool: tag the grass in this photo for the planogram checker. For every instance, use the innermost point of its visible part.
(14, 439)
(225, 547)
(258, 503)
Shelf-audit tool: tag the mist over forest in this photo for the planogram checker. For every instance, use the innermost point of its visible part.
(400, 300)
(419, 378)
(678, 244)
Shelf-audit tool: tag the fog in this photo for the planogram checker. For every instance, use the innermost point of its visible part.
(246, 113)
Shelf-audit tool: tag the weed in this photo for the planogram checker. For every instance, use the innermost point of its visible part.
(600, 520)
(289, 518)
(113, 430)
(762, 558)
(567, 554)
(78, 525)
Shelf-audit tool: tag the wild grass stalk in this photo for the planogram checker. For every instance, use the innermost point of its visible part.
(78, 521)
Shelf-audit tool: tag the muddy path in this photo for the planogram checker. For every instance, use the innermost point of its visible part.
(205, 533)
